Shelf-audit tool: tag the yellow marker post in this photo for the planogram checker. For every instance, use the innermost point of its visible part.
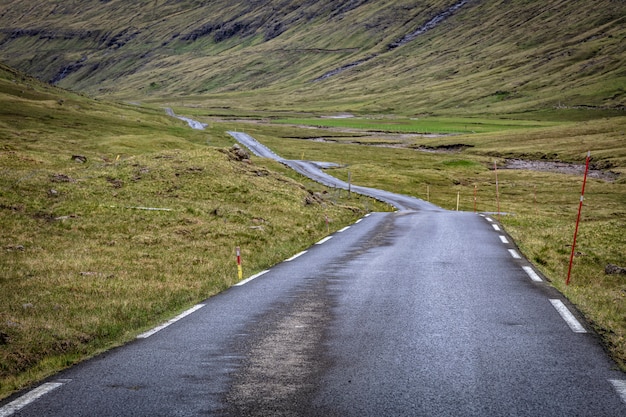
(239, 269)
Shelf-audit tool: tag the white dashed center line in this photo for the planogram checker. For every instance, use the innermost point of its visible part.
(170, 322)
(532, 274)
(514, 254)
(297, 255)
(326, 239)
(620, 387)
(245, 281)
(28, 398)
(568, 316)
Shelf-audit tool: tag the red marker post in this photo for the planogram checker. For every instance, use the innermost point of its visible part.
(239, 269)
(495, 168)
(580, 207)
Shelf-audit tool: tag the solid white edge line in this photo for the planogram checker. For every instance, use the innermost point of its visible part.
(620, 387)
(514, 254)
(504, 239)
(245, 281)
(297, 255)
(568, 316)
(343, 230)
(170, 322)
(326, 239)
(28, 398)
(495, 227)
(532, 274)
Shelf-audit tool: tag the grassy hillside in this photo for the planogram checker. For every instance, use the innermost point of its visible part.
(116, 217)
(488, 56)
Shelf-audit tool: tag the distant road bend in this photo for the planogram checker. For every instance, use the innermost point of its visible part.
(194, 124)
(313, 171)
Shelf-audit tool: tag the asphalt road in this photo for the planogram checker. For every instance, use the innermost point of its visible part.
(312, 170)
(421, 312)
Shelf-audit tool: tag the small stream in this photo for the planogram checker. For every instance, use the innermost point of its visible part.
(431, 24)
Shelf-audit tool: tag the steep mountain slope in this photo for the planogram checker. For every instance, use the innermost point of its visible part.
(370, 55)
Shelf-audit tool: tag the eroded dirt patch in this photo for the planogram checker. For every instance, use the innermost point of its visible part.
(559, 167)
(455, 148)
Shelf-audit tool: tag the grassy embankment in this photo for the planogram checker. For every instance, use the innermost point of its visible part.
(542, 205)
(83, 267)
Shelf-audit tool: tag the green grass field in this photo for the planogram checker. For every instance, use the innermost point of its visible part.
(425, 125)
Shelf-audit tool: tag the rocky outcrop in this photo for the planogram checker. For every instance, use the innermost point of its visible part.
(237, 153)
(611, 269)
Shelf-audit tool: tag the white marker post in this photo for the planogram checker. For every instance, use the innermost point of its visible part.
(475, 189)
(349, 184)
